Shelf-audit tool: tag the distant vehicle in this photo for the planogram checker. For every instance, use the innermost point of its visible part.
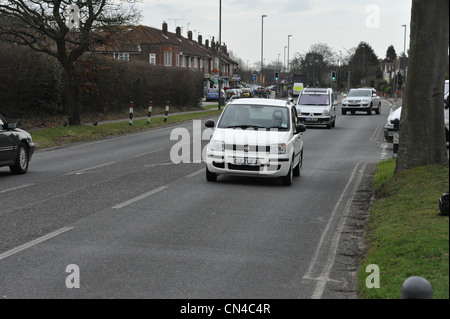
(16, 147)
(212, 95)
(245, 92)
(256, 137)
(389, 126)
(297, 89)
(317, 106)
(361, 100)
(232, 93)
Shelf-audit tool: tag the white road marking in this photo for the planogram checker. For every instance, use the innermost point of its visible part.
(34, 242)
(323, 278)
(128, 202)
(15, 188)
(196, 173)
(89, 168)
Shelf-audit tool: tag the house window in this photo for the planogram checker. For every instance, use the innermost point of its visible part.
(122, 56)
(183, 61)
(196, 63)
(178, 60)
(189, 62)
(152, 58)
(167, 58)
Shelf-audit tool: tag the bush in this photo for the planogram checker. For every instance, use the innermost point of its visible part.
(32, 84)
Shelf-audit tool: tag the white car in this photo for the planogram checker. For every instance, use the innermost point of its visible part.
(316, 106)
(389, 126)
(361, 100)
(256, 137)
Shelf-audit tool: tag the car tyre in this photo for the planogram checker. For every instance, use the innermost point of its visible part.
(210, 177)
(378, 110)
(343, 112)
(369, 111)
(22, 160)
(287, 180)
(297, 168)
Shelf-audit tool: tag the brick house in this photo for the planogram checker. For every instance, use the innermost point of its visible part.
(161, 47)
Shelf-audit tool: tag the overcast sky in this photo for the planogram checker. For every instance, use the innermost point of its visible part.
(342, 24)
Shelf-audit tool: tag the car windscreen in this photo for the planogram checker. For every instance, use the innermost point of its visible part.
(255, 116)
(360, 93)
(314, 99)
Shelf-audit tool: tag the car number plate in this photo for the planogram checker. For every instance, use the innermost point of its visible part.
(245, 161)
(312, 119)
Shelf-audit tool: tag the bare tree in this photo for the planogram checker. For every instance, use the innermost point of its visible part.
(64, 29)
(422, 131)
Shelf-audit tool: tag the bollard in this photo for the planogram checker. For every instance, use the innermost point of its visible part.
(131, 114)
(167, 111)
(416, 287)
(395, 137)
(150, 109)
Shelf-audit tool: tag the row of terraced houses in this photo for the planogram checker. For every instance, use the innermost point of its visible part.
(161, 47)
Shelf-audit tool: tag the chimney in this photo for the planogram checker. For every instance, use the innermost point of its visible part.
(200, 39)
(207, 43)
(178, 31)
(190, 35)
(164, 28)
(213, 44)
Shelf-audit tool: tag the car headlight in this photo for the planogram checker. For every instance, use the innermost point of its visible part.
(218, 146)
(326, 112)
(279, 148)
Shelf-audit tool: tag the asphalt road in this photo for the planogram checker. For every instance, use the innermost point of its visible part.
(119, 218)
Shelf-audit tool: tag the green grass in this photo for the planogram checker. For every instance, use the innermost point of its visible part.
(69, 134)
(405, 236)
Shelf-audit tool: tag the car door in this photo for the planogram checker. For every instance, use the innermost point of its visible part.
(6, 144)
(297, 141)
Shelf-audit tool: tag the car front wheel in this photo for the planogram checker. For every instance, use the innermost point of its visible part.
(210, 177)
(287, 180)
(21, 164)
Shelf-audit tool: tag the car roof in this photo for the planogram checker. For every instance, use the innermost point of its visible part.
(267, 102)
(316, 90)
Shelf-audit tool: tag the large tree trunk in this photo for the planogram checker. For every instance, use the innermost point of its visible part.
(422, 130)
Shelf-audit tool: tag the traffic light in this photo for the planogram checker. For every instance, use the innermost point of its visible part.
(333, 75)
(276, 76)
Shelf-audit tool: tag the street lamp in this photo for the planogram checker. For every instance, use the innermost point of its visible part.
(220, 54)
(288, 68)
(363, 81)
(404, 40)
(262, 41)
(284, 61)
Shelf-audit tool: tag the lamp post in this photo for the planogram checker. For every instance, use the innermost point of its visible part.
(288, 68)
(284, 61)
(363, 81)
(404, 40)
(262, 43)
(220, 54)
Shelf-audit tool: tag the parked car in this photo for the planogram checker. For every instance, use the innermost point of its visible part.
(389, 126)
(256, 137)
(361, 100)
(317, 106)
(245, 92)
(212, 95)
(16, 147)
(232, 93)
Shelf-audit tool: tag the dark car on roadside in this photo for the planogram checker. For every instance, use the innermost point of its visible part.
(16, 147)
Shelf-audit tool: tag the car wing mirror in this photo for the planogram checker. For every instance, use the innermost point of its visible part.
(209, 123)
(300, 128)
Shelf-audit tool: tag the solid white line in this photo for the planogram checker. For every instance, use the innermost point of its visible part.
(128, 202)
(196, 173)
(90, 168)
(15, 188)
(324, 275)
(34, 242)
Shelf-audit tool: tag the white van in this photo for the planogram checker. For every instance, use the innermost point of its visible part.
(317, 106)
(297, 89)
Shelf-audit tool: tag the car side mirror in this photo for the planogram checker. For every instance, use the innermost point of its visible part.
(12, 126)
(209, 123)
(300, 128)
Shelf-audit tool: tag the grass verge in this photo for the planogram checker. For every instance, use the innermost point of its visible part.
(405, 235)
(57, 136)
